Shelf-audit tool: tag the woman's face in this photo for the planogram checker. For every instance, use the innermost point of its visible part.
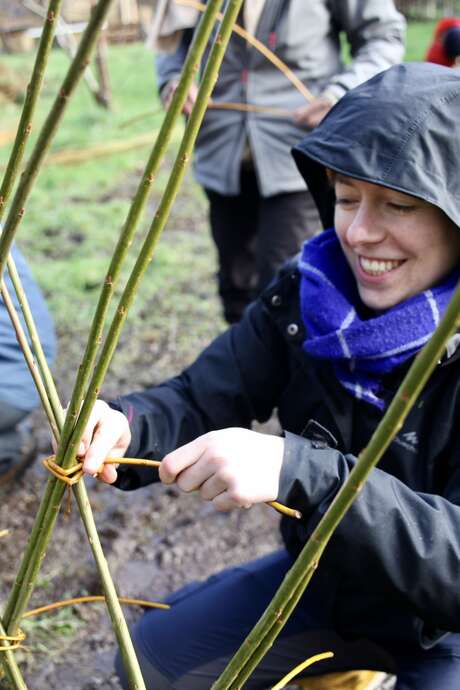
(396, 244)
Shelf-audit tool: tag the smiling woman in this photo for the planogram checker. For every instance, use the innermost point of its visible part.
(327, 346)
(396, 245)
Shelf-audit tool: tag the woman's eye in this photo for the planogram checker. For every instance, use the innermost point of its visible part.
(401, 208)
(344, 201)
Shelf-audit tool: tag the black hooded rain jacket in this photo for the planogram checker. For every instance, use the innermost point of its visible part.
(392, 569)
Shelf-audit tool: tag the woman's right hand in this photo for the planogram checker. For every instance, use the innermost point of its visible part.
(170, 89)
(107, 434)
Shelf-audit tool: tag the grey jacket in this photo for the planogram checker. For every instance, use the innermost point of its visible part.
(306, 37)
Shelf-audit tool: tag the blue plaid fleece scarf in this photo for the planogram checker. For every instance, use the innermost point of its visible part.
(362, 350)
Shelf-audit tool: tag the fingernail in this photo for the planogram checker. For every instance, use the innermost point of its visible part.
(81, 449)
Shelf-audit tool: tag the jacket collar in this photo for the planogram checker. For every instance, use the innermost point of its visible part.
(282, 301)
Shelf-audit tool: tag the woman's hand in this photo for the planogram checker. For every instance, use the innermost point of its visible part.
(170, 89)
(106, 435)
(312, 114)
(233, 468)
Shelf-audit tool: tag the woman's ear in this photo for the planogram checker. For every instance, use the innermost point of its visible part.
(456, 64)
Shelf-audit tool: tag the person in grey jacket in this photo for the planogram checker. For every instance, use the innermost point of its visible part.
(327, 346)
(260, 211)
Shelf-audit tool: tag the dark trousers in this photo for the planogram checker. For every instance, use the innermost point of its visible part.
(187, 647)
(254, 236)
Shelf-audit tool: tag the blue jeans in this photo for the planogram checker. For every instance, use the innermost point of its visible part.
(187, 647)
(17, 389)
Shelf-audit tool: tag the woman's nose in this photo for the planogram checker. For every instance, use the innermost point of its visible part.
(365, 228)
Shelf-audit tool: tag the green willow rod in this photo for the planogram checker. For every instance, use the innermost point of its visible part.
(112, 601)
(69, 85)
(37, 348)
(70, 82)
(52, 484)
(29, 571)
(12, 170)
(56, 419)
(10, 665)
(48, 393)
(161, 216)
(29, 107)
(119, 625)
(271, 623)
(22, 135)
(7, 658)
(28, 356)
(191, 66)
(49, 128)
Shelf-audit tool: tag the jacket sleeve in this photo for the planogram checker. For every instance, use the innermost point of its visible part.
(375, 33)
(409, 541)
(169, 65)
(236, 380)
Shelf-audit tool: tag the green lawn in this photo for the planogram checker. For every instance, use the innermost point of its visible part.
(75, 211)
(419, 36)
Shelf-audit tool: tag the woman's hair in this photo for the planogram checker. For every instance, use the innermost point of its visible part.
(331, 176)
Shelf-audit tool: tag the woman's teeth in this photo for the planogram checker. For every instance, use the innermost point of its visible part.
(376, 268)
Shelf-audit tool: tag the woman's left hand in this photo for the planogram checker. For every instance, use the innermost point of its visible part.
(312, 114)
(233, 468)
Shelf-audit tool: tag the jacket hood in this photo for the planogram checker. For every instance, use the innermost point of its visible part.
(400, 129)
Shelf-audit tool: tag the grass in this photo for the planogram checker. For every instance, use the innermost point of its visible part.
(45, 635)
(419, 37)
(75, 212)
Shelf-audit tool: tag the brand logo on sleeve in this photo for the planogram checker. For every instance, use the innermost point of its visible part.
(408, 440)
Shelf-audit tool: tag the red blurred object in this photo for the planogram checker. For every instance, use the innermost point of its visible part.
(436, 52)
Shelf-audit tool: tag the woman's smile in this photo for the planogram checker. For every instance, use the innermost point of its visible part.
(378, 267)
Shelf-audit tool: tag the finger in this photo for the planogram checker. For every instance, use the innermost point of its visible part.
(108, 474)
(170, 90)
(176, 462)
(193, 477)
(224, 502)
(105, 443)
(301, 120)
(188, 106)
(169, 98)
(212, 488)
(96, 414)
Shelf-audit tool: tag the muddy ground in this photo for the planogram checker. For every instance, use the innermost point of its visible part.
(155, 540)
